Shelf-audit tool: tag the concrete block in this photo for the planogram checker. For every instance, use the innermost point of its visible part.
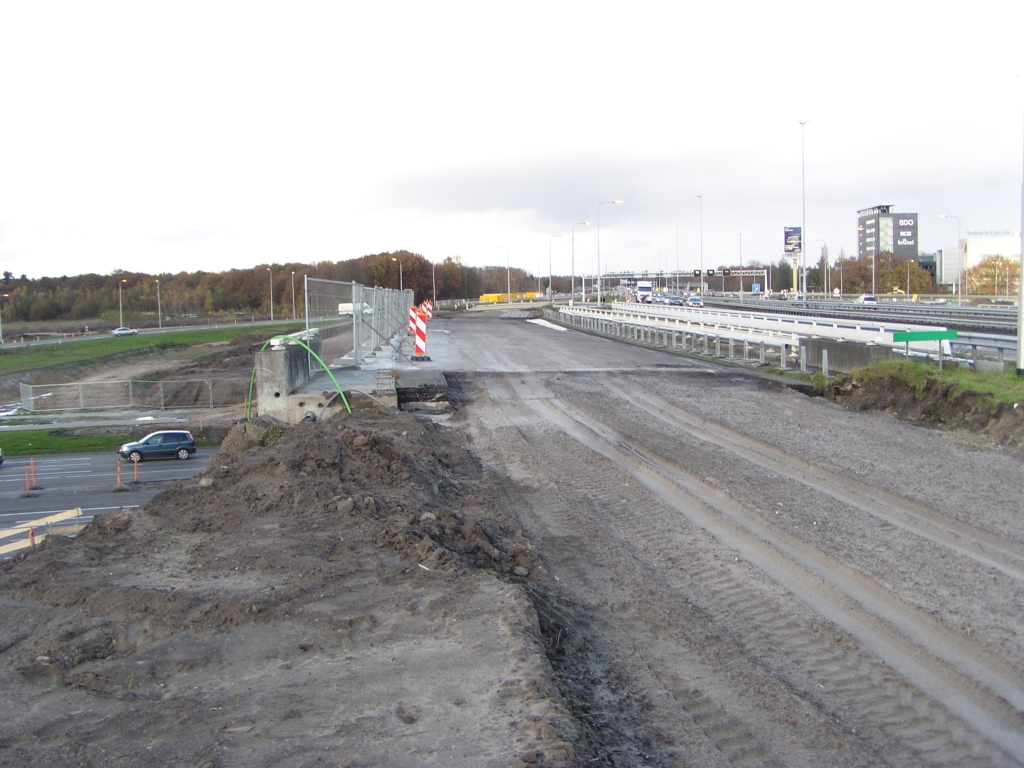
(993, 366)
(844, 356)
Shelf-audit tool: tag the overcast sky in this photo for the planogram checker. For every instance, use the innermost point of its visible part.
(156, 137)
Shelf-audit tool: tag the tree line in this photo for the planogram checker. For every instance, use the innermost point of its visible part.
(133, 296)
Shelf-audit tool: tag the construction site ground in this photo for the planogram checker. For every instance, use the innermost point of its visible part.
(606, 555)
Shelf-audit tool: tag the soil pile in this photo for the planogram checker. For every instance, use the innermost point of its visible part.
(348, 592)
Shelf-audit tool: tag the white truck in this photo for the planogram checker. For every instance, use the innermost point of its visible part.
(644, 291)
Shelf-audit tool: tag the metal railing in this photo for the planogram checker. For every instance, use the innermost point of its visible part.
(758, 323)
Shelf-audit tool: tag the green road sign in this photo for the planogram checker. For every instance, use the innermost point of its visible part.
(923, 335)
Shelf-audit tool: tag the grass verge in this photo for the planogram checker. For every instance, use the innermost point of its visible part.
(43, 442)
(999, 386)
(28, 358)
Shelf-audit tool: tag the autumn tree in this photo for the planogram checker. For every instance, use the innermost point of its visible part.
(993, 276)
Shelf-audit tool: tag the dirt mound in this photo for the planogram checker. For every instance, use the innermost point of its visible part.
(934, 404)
(347, 590)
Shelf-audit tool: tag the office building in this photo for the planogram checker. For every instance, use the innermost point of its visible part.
(879, 230)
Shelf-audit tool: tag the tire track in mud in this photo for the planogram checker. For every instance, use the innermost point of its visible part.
(961, 538)
(818, 664)
(977, 687)
(589, 524)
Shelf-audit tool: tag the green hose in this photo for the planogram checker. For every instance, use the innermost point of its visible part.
(252, 381)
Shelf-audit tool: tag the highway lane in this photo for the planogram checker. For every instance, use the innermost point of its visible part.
(87, 480)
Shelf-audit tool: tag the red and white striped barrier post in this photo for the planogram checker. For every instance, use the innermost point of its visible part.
(421, 337)
(412, 321)
(429, 309)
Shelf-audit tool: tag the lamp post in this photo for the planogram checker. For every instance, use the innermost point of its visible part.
(1020, 290)
(572, 267)
(271, 273)
(159, 312)
(677, 259)
(120, 314)
(803, 206)
(959, 260)
(6, 295)
(551, 292)
(606, 202)
(433, 280)
(824, 267)
(701, 199)
(293, 294)
(908, 276)
(741, 267)
(401, 284)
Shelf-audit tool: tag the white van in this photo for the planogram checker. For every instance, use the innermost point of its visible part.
(346, 309)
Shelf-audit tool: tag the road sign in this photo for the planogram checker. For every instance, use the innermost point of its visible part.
(923, 335)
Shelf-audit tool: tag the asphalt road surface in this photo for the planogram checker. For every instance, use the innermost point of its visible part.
(87, 480)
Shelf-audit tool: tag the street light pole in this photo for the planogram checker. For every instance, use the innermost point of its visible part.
(271, 273)
(293, 294)
(741, 267)
(401, 284)
(2, 319)
(159, 312)
(606, 202)
(572, 267)
(120, 313)
(1020, 289)
(908, 276)
(701, 198)
(824, 267)
(677, 259)
(551, 293)
(433, 280)
(959, 260)
(803, 197)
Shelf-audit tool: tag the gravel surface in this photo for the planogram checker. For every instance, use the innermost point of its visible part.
(607, 556)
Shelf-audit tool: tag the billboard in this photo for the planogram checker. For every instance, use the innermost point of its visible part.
(793, 240)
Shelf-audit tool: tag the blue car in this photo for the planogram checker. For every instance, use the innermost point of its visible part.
(169, 444)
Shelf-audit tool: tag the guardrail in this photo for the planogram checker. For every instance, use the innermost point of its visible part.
(31, 534)
(755, 324)
(695, 338)
(979, 318)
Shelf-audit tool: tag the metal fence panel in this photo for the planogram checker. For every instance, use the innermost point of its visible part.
(134, 393)
(353, 320)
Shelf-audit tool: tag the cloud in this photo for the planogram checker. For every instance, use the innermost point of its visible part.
(188, 235)
(568, 188)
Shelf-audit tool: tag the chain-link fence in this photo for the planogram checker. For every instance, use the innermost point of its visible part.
(352, 320)
(134, 393)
